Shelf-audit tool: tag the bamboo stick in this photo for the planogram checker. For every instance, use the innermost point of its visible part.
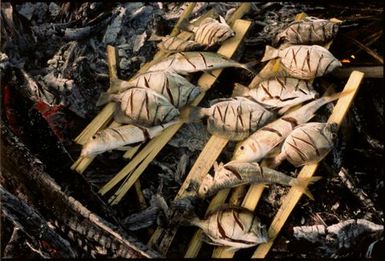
(214, 146)
(292, 198)
(155, 145)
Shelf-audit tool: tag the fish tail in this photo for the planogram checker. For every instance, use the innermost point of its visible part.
(154, 38)
(104, 98)
(249, 66)
(185, 25)
(192, 113)
(303, 182)
(240, 90)
(270, 53)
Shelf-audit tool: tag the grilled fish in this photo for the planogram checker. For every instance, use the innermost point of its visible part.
(175, 88)
(304, 61)
(119, 137)
(232, 118)
(234, 174)
(261, 142)
(278, 92)
(143, 106)
(175, 44)
(310, 30)
(189, 62)
(210, 32)
(308, 143)
(232, 226)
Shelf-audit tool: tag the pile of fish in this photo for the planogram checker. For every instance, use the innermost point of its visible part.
(255, 117)
(161, 96)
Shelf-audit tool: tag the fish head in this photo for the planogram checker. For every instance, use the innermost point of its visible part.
(332, 28)
(95, 145)
(314, 94)
(245, 151)
(205, 186)
(330, 131)
(259, 230)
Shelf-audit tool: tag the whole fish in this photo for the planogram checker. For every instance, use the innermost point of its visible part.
(175, 44)
(232, 118)
(308, 143)
(234, 174)
(120, 137)
(278, 92)
(310, 30)
(143, 106)
(304, 61)
(235, 227)
(261, 142)
(210, 32)
(175, 88)
(189, 62)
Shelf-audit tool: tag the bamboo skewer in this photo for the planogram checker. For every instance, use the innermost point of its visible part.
(214, 146)
(337, 116)
(255, 191)
(159, 142)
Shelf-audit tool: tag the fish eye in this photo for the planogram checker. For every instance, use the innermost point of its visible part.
(204, 189)
(334, 136)
(94, 137)
(242, 147)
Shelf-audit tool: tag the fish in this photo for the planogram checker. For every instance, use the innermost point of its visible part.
(232, 226)
(261, 142)
(278, 92)
(174, 87)
(232, 118)
(310, 30)
(308, 143)
(172, 44)
(190, 62)
(304, 61)
(142, 106)
(233, 174)
(210, 32)
(120, 137)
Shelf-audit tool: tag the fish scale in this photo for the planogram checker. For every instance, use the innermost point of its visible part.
(303, 61)
(143, 107)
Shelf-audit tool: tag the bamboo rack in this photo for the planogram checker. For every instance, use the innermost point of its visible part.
(138, 164)
(292, 198)
(214, 146)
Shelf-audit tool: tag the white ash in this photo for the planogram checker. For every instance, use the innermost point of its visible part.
(114, 27)
(193, 136)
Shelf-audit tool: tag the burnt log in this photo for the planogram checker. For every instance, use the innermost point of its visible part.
(93, 233)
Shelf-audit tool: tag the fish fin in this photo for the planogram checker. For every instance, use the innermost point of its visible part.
(124, 148)
(192, 114)
(270, 53)
(222, 20)
(240, 90)
(275, 161)
(120, 117)
(185, 25)
(302, 183)
(104, 98)
(155, 38)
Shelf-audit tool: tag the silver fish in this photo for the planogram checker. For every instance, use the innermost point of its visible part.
(261, 142)
(119, 137)
(234, 174)
(175, 44)
(232, 226)
(189, 62)
(233, 118)
(308, 143)
(210, 32)
(304, 61)
(310, 30)
(143, 106)
(279, 92)
(175, 88)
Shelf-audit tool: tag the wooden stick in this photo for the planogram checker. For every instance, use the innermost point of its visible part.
(370, 71)
(155, 145)
(215, 145)
(368, 50)
(307, 171)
